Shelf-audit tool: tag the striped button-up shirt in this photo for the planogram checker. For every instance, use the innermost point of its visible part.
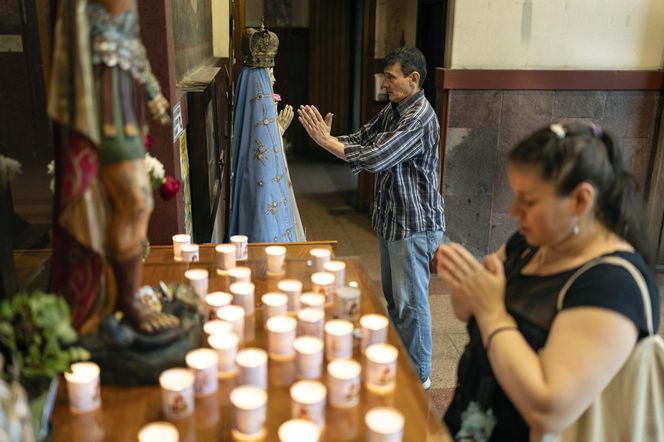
(401, 145)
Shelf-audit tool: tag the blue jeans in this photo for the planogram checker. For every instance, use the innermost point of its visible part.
(404, 266)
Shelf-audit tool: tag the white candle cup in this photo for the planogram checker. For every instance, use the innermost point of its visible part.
(280, 336)
(239, 274)
(252, 367)
(215, 301)
(178, 241)
(225, 255)
(241, 246)
(190, 253)
(177, 393)
(216, 327)
(299, 430)
(374, 330)
(308, 357)
(198, 280)
(343, 379)
(384, 424)
(323, 283)
(308, 401)
(274, 304)
(291, 288)
(234, 314)
(225, 344)
(348, 303)
(203, 362)
(276, 256)
(243, 295)
(249, 410)
(159, 432)
(338, 269)
(338, 339)
(319, 258)
(381, 375)
(312, 300)
(83, 387)
(310, 322)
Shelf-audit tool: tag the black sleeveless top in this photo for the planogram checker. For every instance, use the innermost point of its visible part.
(531, 300)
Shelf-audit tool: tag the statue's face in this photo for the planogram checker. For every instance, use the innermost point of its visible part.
(273, 80)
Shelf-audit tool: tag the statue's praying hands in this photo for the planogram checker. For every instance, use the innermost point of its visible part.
(284, 118)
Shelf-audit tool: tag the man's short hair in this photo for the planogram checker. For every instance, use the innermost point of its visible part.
(410, 59)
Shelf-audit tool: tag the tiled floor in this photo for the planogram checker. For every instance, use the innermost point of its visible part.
(325, 193)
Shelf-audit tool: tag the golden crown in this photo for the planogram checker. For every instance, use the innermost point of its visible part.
(259, 47)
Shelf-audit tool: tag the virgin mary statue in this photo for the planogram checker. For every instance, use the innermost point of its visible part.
(263, 204)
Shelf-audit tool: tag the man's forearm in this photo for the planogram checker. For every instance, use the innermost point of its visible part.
(334, 146)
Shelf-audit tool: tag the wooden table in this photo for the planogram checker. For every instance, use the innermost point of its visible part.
(126, 409)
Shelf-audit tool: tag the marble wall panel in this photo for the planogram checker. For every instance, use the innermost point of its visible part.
(483, 127)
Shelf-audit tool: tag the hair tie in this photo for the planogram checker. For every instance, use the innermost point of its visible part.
(597, 130)
(558, 130)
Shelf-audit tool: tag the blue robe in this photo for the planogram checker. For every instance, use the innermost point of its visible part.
(263, 206)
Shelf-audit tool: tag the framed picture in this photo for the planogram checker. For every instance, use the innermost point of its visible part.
(206, 146)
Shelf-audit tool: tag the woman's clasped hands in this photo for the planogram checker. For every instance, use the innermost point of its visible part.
(478, 288)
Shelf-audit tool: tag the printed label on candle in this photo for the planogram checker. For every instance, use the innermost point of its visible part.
(338, 339)
(344, 382)
(177, 393)
(203, 363)
(310, 322)
(381, 367)
(308, 401)
(240, 242)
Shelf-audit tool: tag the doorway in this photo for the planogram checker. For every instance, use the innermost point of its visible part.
(431, 32)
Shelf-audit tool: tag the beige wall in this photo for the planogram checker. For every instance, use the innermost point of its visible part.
(220, 28)
(558, 34)
(394, 18)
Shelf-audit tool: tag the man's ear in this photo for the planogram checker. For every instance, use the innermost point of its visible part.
(415, 77)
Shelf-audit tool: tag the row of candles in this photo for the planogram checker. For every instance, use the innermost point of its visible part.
(305, 339)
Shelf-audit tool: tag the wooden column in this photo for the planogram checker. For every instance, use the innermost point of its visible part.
(157, 34)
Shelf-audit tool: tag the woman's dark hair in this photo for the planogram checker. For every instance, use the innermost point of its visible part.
(411, 60)
(568, 154)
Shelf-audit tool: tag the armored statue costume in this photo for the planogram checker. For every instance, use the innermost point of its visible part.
(100, 85)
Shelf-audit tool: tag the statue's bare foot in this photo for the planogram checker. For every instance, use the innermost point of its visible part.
(145, 319)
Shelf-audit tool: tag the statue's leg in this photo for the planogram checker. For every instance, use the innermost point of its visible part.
(130, 197)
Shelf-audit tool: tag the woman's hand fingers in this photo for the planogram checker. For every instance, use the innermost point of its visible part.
(455, 261)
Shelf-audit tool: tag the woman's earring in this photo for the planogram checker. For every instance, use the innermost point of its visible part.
(575, 229)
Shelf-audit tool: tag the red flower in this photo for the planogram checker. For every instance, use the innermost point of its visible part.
(147, 142)
(276, 97)
(170, 188)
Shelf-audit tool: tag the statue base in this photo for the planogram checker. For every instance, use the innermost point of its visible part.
(129, 357)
